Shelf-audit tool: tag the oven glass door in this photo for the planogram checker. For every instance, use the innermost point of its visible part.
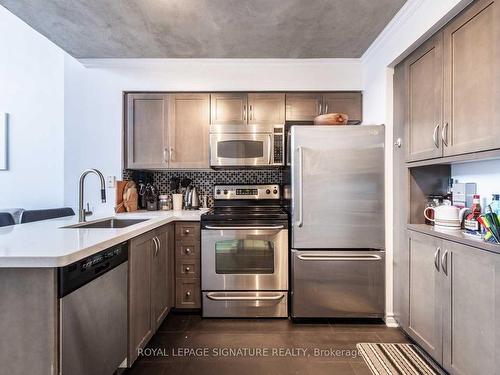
(244, 259)
(243, 149)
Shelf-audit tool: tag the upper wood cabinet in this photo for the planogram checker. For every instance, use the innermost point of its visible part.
(146, 131)
(349, 103)
(424, 77)
(306, 106)
(453, 87)
(229, 109)
(188, 129)
(303, 106)
(471, 80)
(266, 108)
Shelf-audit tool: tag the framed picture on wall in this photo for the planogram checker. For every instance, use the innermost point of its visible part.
(3, 142)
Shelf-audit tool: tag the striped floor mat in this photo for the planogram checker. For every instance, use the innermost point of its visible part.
(398, 359)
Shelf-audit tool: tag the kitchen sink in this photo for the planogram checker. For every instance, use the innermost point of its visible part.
(107, 224)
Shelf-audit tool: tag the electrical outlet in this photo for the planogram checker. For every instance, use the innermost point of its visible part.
(110, 182)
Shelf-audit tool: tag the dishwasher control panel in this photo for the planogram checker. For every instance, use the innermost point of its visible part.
(77, 274)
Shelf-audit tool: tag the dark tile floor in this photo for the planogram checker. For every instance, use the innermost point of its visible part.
(187, 344)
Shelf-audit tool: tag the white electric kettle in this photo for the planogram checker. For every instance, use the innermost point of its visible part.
(446, 216)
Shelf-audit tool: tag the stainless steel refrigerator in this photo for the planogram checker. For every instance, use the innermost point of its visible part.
(338, 258)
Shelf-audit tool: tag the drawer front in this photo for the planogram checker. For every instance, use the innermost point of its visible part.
(338, 284)
(188, 268)
(188, 293)
(187, 249)
(245, 304)
(187, 230)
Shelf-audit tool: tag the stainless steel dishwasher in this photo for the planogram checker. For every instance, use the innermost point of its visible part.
(93, 313)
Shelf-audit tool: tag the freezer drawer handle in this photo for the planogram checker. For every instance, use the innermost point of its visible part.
(243, 228)
(339, 257)
(214, 297)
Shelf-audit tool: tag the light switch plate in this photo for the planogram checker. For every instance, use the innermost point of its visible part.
(4, 144)
(110, 182)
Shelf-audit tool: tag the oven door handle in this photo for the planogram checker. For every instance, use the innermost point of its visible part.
(214, 297)
(318, 257)
(243, 228)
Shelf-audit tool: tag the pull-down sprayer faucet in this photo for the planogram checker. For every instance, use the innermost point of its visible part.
(82, 212)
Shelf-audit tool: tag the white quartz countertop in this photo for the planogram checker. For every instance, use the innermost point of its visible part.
(48, 244)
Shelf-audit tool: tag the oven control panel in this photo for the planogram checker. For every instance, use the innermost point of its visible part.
(227, 192)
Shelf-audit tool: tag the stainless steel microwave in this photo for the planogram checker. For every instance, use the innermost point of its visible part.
(247, 145)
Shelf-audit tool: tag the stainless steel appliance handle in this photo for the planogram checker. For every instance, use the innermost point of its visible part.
(434, 136)
(444, 262)
(436, 258)
(320, 257)
(444, 134)
(242, 227)
(300, 220)
(269, 149)
(214, 297)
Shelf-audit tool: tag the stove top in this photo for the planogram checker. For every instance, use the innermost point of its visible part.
(245, 213)
(252, 203)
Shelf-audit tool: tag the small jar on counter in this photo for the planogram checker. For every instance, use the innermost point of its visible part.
(164, 203)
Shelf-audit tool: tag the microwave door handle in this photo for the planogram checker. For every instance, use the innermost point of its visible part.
(269, 149)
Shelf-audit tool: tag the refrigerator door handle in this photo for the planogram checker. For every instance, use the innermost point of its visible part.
(300, 220)
(319, 257)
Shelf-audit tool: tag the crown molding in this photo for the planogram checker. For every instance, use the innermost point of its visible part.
(140, 63)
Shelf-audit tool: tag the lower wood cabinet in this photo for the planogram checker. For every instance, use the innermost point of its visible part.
(454, 304)
(151, 283)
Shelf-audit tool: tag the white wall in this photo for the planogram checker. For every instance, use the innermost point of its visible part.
(415, 22)
(32, 93)
(486, 174)
(93, 104)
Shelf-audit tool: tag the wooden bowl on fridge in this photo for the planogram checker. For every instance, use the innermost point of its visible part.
(331, 119)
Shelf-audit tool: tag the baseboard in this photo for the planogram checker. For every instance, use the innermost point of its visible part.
(390, 321)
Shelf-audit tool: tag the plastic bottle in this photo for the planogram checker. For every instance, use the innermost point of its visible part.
(471, 223)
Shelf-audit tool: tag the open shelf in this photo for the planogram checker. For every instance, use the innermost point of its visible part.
(455, 236)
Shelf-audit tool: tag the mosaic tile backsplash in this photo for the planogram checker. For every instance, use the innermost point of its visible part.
(205, 180)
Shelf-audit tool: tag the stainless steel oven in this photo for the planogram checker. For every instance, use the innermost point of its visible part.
(246, 145)
(245, 257)
(245, 253)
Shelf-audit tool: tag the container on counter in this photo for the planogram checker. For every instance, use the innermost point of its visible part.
(471, 222)
(177, 202)
(164, 203)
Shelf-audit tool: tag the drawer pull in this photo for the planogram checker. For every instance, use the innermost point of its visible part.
(187, 251)
(320, 257)
(188, 269)
(214, 297)
(188, 293)
(186, 231)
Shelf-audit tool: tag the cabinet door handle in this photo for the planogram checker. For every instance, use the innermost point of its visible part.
(165, 155)
(444, 134)
(326, 108)
(251, 112)
(320, 108)
(435, 135)
(444, 262)
(244, 112)
(171, 154)
(156, 246)
(436, 258)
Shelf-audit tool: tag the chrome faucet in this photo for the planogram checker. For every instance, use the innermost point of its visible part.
(82, 212)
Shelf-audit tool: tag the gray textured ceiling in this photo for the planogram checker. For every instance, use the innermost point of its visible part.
(208, 28)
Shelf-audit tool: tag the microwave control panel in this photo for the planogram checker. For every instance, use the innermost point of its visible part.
(279, 145)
